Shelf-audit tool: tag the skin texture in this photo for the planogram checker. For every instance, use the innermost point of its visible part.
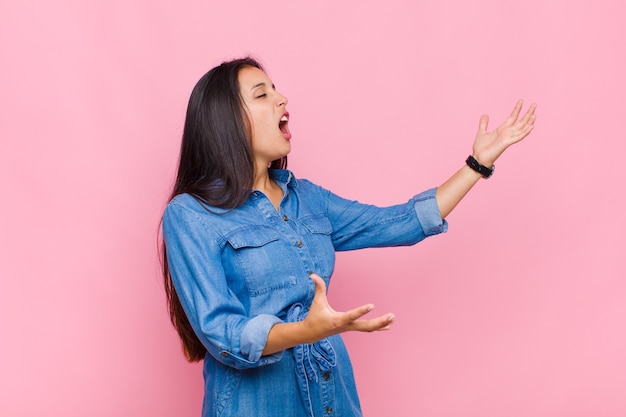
(264, 107)
(488, 146)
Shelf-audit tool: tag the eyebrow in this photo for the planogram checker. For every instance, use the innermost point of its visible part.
(261, 84)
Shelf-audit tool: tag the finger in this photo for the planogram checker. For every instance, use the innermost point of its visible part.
(515, 113)
(526, 124)
(483, 123)
(320, 285)
(357, 313)
(530, 117)
(526, 129)
(521, 132)
(379, 323)
(319, 297)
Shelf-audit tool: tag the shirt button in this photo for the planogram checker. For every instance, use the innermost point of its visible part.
(224, 354)
(299, 244)
(326, 376)
(285, 218)
(329, 410)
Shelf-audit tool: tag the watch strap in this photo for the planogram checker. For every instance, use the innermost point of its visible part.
(478, 167)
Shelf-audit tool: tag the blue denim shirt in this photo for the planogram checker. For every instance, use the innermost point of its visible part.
(239, 272)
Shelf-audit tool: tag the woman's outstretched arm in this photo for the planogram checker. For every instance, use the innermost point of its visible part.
(488, 146)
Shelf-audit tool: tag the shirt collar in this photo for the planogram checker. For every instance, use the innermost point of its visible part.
(284, 176)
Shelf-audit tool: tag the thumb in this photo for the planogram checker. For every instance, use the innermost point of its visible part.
(482, 125)
(320, 285)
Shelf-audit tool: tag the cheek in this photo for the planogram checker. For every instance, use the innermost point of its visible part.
(261, 121)
(262, 128)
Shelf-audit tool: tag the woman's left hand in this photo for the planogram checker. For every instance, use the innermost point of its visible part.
(488, 146)
(323, 321)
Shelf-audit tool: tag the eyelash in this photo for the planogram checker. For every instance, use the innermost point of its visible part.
(264, 94)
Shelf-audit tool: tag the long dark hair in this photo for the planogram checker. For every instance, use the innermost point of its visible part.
(215, 166)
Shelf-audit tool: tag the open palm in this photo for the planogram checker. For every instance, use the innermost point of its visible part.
(489, 145)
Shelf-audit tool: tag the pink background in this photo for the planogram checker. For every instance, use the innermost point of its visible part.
(520, 310)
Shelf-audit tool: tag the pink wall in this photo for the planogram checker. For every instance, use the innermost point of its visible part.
(520, 310)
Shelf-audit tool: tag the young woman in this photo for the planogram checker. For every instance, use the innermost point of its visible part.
(249, 250)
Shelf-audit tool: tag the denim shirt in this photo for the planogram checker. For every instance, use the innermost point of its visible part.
(239, 272)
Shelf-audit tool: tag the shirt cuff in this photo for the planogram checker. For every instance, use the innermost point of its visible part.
(254, 337)
(428, 213)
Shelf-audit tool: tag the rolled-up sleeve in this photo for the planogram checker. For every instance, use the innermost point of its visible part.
(428, 214)
(217, 316)
(254, 335)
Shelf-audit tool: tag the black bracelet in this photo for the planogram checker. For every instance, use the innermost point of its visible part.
(478, 167)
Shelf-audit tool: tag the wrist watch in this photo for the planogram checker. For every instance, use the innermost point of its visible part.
(481, 169)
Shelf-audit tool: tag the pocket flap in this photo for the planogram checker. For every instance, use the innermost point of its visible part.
(252, 237)
(320, 225)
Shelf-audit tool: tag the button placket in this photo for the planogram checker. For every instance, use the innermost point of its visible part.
(328, 393)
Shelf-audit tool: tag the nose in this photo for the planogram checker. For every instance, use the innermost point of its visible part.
(281, 100)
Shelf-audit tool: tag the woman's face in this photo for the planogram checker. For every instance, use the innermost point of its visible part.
(266, 110)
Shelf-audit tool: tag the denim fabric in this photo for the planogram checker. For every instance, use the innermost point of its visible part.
(238, 272)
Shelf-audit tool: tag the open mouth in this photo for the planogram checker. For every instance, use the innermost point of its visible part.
(283, 125)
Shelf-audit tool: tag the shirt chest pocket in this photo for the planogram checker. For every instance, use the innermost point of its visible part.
(263, 259)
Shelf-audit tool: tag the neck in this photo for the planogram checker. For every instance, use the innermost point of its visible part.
(264, 184)
(262, 180)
